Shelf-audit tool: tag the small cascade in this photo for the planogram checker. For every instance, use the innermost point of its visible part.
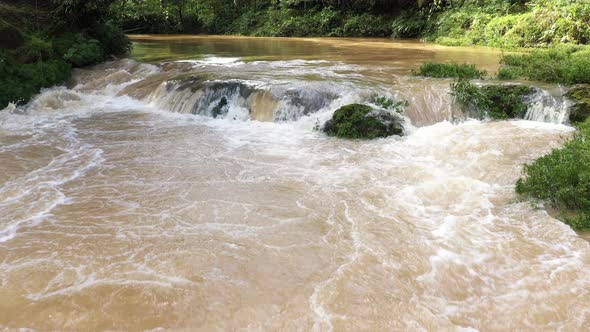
(545, 107)
(239, 99)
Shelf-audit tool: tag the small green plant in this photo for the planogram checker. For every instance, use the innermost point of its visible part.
(362, 121)
(389, 104)
(494, 101)
(112, 40)
(446, 70)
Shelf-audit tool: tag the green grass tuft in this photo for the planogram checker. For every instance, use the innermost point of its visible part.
(445, 70)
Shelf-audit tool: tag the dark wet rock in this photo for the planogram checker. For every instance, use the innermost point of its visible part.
(220, 108)
(305, 102)
(194, 83)
(363, 121)
(580, 111)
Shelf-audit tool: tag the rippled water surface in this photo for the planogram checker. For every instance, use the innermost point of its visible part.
(193, 193)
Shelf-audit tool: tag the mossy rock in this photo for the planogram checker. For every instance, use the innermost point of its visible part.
(363, 121)
(580, 111)
(11, 37)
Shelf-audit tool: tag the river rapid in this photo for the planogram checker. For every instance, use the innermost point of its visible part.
(186, 189)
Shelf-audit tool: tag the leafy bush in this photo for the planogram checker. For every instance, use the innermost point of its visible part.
(111, 38)
(541, 23)
(563, 179)
(366, 25)
(443, 70)
(292, 22)
(78, 50)
(565, 64)
(494, 101)
(409, 25)
(36, 48)
(362, 121)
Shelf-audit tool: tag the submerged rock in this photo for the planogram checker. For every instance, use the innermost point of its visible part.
(363, 121)
(580, 111)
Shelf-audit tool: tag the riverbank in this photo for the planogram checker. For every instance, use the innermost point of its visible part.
(497, 23)
(40, 44)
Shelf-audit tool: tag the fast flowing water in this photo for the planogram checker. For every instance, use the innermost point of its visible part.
(194, 193)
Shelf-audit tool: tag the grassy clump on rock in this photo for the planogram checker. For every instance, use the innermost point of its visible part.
(505, 101)
(445, 70)
(363, 121)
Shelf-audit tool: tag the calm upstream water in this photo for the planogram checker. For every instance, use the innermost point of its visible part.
(186, 189)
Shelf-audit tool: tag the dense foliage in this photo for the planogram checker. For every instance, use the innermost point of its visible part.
(493, 101)
(444, 70)
(503, 23)
(363, 121)
(42, 41)
(562, 178)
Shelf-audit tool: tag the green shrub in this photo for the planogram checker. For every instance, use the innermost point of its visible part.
(246, 23)
(541, 23)
(444, 70)
(362, 121)
(409, 24)
(78, 50)
(19, 82)
(562, 178)
(367, 25)
(86, 52)
(36, 48)
(494, 101)
(111, 38)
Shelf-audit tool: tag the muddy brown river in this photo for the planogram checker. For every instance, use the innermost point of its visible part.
(186, 189)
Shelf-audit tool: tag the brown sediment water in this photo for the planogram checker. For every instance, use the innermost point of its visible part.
(193, 193)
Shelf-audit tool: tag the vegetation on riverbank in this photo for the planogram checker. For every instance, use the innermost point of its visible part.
(499, 23)
(41, 43)
(562, 64)
(562, 178)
